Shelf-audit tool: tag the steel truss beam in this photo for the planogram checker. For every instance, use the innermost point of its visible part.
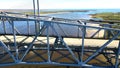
(75, 55)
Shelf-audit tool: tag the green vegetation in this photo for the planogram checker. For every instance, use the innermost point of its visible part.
(29, 13)
(108, 16)
(57, 11)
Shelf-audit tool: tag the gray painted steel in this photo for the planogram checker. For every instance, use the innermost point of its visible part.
(15, 52)
(29, 27)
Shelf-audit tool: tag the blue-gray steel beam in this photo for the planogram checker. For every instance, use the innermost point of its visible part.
(83, 48)
(48, 44)
(101, 48)
(40, 40)
(70, 24)
(40, 55)
(95, 33)
(34, 10)
(36, 22)
(117, 56)
(83, 37)
(30, 46)
(24, 39)
(28, 27)
(7, 38)
(6, 49)
(63, 23)
(48, 64)
(4, 26)
(107, 58)
(73, 55)
(15, 43)
(96, 59)
(11, 23)
(60, 64)
(64, 56)
(38, 8)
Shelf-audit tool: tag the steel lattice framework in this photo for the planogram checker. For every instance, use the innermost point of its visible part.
(33, 45)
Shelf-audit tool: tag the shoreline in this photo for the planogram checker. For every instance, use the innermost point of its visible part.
(54, 13)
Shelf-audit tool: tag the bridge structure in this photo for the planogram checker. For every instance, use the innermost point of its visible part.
(42, 40)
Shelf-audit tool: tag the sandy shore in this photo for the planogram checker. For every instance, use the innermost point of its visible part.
(68, 41)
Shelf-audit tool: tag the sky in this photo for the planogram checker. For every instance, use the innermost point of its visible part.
(61, 4)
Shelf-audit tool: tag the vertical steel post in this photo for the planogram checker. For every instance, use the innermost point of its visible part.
(38, 8)
(34, 8)
(48, 45)
(85, 29)
(4, 27)
(15, 44)
(28, 26)
(83, 37)
(37, 24)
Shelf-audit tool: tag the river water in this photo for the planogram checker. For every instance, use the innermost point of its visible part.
(81, 15)
(71, 15)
